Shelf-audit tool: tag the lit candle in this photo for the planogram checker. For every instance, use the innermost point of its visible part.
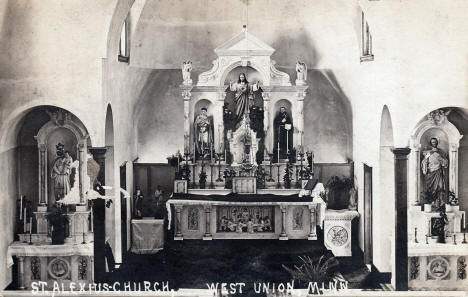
(278, 152)
(24, 220)
(21, 207)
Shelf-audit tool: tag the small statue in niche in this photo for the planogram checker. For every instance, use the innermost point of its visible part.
(301, 70)
(283, 134)
(61, 171)
(203, 133)
(434, 165)
(137, 204)
(186, 69)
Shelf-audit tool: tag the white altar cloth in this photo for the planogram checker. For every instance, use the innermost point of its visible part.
(46, 250)
(147, 236)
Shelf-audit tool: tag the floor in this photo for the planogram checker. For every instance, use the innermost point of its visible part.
(196, 263)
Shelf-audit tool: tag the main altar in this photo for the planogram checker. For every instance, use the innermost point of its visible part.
(245, 172)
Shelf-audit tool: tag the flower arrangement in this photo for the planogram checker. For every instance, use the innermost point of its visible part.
(58, 220)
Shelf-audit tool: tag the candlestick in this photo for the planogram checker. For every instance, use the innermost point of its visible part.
(426, 239)
(415, 235)
(464, 238)
(463, 220)
(83, 227)
(30, 225)
(429, 228)
(30, 239)
(454, 239)
(287, 141)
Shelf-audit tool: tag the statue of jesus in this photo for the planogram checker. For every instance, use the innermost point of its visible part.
(243, 96)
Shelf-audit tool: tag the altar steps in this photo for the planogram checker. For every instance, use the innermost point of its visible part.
(196, 263)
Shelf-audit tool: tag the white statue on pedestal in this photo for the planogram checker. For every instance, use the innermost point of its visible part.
(186, 69)
(301, 70)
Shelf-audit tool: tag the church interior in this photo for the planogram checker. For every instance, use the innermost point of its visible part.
(193, 142)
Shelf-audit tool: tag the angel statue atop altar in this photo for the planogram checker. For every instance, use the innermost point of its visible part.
(433, 167)
(244, 95)
(186, 69)
(301, 70)
(203, 133)
(61, 171)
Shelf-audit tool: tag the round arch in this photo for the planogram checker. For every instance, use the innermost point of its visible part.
(383, 210)
(10, 127)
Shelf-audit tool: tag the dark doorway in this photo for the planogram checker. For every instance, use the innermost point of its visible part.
(367, 214)
(99, 228)
(123, 209)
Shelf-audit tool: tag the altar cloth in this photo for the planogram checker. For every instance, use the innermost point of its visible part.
(232, 197)
(147, 236)
(48, 250)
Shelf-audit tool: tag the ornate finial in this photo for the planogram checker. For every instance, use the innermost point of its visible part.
(244, 28)
(59, 116)
(438, 116)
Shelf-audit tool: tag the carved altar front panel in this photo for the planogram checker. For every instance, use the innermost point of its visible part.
(242, 219)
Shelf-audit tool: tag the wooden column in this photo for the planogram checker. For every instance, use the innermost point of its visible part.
(313, 222)
(207, 235)
(177, 222)
(401, 218)
(283, 235)
(21, 273)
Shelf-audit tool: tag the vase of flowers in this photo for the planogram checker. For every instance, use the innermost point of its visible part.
(453, 203)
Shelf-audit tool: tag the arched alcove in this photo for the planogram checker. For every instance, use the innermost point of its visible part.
(44, 127)
(110, 179)
(384, 201)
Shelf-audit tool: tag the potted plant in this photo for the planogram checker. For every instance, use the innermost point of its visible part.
(321, 271)
(202, 179)
(287, 176)
(339, 191)
(58, 222)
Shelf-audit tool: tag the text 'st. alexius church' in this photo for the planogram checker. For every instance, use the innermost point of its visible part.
(280, 147)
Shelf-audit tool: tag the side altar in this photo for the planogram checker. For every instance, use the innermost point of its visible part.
(56, 240)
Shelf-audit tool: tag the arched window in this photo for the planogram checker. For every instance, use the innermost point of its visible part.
(366, 40)
(124, 44)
